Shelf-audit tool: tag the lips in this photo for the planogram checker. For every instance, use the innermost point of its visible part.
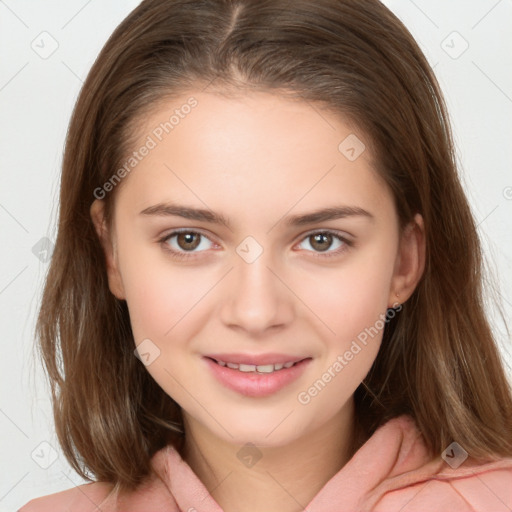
(256, 375)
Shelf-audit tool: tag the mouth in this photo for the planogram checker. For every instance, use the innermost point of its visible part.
(260, 368)
(256, 376)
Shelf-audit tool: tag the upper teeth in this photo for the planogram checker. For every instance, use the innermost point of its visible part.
(262, 368)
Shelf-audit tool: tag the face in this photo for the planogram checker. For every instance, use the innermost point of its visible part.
(258, 251)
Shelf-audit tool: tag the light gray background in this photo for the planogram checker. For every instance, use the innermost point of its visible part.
(37, 93)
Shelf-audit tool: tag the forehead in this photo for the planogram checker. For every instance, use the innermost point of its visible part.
(255, 150)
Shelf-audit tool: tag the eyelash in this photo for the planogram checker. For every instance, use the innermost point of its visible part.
(181, 255)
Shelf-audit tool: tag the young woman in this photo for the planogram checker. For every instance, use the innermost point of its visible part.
(266, 289)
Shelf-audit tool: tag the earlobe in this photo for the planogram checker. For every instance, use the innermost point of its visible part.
(97, 212)
(410, 262)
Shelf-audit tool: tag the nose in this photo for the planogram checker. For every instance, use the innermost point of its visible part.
(256, 298)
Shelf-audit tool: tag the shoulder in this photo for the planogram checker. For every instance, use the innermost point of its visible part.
(413, 480)
(104, 496)
(82, 498)
(469, 488)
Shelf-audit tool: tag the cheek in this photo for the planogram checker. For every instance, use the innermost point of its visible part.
(352, 303)
(353, 306)
(158, 294)
(352, 298)
(162, 302)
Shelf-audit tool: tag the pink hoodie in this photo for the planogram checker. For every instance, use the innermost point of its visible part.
(390, 472)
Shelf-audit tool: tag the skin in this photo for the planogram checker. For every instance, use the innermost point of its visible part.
(258, 159)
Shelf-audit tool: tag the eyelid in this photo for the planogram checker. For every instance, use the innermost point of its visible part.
(165, 238)
(341, 236)
(177, 231)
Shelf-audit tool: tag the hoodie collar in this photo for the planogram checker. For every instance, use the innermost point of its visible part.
(394, 450)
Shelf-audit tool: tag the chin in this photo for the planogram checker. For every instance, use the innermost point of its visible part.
(278, 426)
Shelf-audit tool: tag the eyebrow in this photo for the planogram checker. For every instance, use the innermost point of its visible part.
(168, 209)
(200, 214)
(326, 214)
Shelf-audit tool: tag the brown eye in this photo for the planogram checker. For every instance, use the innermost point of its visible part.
(188, 241)
(183, 244)
(321, 241)
(325, 243)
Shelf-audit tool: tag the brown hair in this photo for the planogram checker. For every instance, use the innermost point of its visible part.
(438, 361)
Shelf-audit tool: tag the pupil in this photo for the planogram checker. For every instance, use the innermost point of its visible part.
(188, 241)
(322, 241)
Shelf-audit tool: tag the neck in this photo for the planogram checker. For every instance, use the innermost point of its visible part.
(284, 479)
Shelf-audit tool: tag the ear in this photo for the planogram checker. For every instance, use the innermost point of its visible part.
(410, 262)
(115, 282)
